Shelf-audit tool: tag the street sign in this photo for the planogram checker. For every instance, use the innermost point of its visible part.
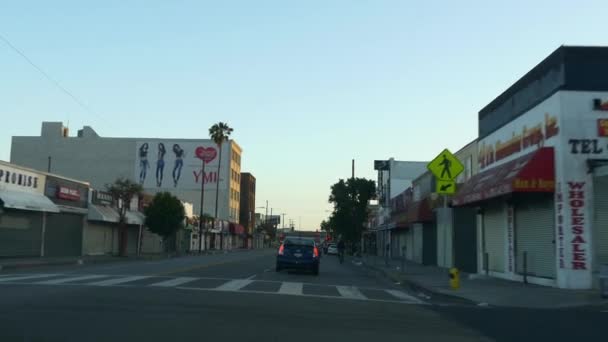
(445, 187)
(445, 166)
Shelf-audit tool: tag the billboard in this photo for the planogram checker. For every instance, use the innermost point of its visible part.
(274, 220)
(167, 164)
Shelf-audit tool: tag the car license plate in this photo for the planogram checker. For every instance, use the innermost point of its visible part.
(297, 255)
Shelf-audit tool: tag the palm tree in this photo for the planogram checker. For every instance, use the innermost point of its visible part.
(219, 133)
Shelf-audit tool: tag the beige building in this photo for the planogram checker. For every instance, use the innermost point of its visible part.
(173, 165)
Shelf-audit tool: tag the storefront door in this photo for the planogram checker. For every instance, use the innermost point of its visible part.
(600, 224)
(63, 235)
(494, 236)
(535, 235)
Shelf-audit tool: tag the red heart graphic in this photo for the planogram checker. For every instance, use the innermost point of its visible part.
(205, 154)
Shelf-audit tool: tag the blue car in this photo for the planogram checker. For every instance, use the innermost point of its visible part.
(298, 253)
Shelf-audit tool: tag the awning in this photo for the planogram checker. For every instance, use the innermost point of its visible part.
(399, 221)
(27, 201)
(420, 211)
(135, 217)
(73, 210)
(236, 228)
(534, 172)
(102, 213)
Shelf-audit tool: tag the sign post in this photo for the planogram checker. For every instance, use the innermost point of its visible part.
(445, 167)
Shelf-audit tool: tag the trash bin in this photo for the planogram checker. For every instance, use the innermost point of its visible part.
(604, 280)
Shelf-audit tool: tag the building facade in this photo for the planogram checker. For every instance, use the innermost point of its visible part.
(173, 165)
(23, 211)
(541, 191)
(393, 178)
(247, 206)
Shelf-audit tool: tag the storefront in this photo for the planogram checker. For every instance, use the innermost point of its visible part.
(64, 230)
(237, 232)
(23, 211)
(101, 232)
(543, 150)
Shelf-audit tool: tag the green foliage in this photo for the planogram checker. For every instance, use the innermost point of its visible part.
(123, 190)
(220, 132)
(165, 215)
(350, 199)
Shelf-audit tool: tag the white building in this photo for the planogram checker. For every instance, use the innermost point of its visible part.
(542, 190)
(393, 178)
(173, 165)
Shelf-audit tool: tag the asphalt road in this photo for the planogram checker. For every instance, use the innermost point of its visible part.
(239, 296)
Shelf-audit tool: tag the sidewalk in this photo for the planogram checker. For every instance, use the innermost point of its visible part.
(19, 263)
(483, 290)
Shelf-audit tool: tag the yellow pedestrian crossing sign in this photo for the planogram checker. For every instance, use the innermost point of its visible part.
(445, 166)
(445, 187)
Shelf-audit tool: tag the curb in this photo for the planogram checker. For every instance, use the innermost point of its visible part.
(416, 286)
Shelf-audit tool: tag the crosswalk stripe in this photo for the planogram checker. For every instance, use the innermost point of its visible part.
(67, 280)
(404, 296)
(291, 288)
(350, 292)
(234, 285)
(174, 282)
(27, 277)
(117, 281)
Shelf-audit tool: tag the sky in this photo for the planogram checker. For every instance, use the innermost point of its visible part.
(306, 85)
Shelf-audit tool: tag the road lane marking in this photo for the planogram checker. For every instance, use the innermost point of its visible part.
(403, 295)
(67, 280)
(117, 281)
(174, 282)
(251, 277)
(234, 285)
(185, 288)
(28, 277)
(291, 288)
(350, 292)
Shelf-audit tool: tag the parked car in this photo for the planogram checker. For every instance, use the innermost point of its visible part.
(298, 253)
(332, 248)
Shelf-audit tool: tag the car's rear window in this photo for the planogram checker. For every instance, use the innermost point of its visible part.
(299, 241)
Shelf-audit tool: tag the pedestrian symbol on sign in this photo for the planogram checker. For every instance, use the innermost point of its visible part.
(445, 166)
(446, 163)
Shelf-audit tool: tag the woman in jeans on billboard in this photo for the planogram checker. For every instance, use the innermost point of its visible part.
(143, 162)
(160, 164)
(179, 163)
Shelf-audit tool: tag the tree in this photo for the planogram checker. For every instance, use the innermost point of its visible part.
(123, 190)
(350, 199)
(219, 133)
(165, 216)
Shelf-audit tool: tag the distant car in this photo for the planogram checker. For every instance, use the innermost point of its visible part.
(298, 253)
(332, 249)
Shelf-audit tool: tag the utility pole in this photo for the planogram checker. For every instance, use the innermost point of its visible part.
(353, 169)
(266, 216)
(200, 215)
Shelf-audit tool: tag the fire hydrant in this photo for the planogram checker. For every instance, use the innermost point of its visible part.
(454, 278)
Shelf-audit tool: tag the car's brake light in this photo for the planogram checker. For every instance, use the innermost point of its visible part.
(315, 252)
(281, 249)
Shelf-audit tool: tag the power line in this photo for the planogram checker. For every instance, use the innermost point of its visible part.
(48, 77)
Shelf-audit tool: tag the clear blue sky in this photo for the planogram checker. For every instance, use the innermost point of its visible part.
(307, 85)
